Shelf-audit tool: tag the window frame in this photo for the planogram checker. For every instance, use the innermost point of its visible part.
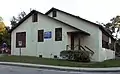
(21, 36)
(58, 37)
(40, 35)
(105, 41)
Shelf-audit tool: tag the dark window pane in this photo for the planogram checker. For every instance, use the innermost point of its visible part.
(21, 36)
(105, 41)
(58, 34)
(105, 37)
(35, 17)
(105, 44)
(40, 35)
(54, 13)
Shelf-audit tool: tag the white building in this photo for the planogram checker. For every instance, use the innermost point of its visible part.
(50, 33)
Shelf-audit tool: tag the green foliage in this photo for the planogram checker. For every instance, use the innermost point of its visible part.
(114, 25)
(15, 20)
(75, 55)
(5, 37)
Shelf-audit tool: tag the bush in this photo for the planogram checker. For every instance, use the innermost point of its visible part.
(75, 55)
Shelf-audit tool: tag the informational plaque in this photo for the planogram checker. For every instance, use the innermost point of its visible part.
(47, 35)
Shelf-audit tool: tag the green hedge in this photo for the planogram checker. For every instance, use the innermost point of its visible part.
(75, 55)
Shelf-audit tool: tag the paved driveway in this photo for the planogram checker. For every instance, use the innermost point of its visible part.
(4, 69)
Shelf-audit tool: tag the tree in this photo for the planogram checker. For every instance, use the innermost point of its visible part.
(4, 35)
(2, 25)
(15, 20)
(7, 28)
(114, 27)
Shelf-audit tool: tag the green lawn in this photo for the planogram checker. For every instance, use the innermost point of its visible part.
(46, 61)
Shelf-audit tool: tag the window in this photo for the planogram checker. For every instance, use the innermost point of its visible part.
(105, 37)
(40, 35)
(105, 41)
(21, 36)
(54, 13)
(105, 44)
(35, 17)
(58, 34)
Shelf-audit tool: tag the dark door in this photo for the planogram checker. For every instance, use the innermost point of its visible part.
(79, 44)
(72, 41)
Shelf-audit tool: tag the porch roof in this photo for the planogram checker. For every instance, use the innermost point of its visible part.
(82, 32)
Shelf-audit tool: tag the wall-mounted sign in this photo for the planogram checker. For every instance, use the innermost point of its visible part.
(20, 43)
(47, 35)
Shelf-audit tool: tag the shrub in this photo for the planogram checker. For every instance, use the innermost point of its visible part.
(75, 55)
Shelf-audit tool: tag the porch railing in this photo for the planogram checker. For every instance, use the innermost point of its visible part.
(85, 48)
(89, 49)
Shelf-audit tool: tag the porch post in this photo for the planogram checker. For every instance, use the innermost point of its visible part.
(79, 43)
(72, 41)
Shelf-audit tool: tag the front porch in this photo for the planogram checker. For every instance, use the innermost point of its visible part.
(76, 41)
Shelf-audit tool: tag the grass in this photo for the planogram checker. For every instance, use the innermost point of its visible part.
(56, 62)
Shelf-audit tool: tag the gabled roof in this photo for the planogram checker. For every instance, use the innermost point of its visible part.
(52, 9)
(34, 11)
(101, 27)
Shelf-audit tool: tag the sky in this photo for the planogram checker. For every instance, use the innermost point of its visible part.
(92, 10)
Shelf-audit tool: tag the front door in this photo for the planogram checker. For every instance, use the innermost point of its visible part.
(72, 41)
(79, 44)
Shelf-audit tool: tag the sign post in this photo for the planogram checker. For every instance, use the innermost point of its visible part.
(20, 44)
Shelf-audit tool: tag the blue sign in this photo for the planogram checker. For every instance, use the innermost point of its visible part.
(47, 35)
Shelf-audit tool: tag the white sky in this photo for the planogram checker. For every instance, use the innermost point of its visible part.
(93, 10)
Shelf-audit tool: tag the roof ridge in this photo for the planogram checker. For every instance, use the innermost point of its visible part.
(53, 8)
